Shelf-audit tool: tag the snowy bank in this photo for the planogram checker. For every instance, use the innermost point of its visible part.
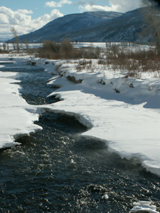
(128, 120)
(124, 112)
(143, 206)
(16, 120)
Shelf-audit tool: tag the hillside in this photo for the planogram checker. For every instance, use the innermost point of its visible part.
(91, 26)
(123, 28)
(59, 27)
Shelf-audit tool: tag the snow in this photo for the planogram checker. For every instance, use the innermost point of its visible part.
(15, 120)
(90, 44)
(6, 62)
(23, 45)
(123, 112)
(143, 206)
(128, 121)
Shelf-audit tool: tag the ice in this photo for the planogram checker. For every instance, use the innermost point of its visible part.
(105, 196)
(15, 120)
(143, 206)
(127, 120)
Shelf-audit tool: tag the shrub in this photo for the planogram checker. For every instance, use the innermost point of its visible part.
(115, 49)
(66, 49)
(49, 49)
(133, 62)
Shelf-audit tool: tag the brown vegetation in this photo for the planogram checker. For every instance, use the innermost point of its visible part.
(152, 20)
(65, 50)
(134, 62)
(117, 57)
(53, 50)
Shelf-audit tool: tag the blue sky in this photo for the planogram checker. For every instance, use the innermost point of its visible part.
(29, 15)
(40, 7)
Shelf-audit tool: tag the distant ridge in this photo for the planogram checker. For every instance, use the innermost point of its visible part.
(91, 26)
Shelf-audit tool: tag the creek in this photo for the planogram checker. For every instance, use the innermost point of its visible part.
(58, 170)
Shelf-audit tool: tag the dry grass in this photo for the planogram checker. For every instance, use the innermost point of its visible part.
(117, 57)
(53, 50)
(4, 51)
(84, 64)
(65, 50)
(102, 61)
(133, 62)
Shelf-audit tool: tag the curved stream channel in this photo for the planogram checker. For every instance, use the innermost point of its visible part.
(57, 170)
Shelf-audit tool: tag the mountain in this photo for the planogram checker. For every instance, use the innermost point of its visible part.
(91, 26)
(69, 24)
(126, 27)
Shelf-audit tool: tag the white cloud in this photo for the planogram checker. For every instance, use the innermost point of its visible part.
(115, 5)
(51, 4)
(57, 4)
(41, 21)
(22, 21)
(125, 5)
(4, 19)
(89, 7)
(25, 11)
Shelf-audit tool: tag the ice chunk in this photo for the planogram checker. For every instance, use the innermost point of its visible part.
(143, 206)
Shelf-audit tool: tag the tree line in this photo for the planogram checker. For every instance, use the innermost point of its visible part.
(151, 14)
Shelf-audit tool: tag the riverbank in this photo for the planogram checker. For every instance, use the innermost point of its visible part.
(17, 117)
(124, 112)
(116, 110)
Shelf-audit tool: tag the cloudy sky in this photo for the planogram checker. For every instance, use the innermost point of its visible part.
(30, 15)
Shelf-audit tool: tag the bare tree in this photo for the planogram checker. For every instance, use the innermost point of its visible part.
(152, 20)
(7, 45)
(4, 46)
(26, 44)
(16, 40)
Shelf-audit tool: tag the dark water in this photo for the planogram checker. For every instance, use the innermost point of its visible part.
(57, 170)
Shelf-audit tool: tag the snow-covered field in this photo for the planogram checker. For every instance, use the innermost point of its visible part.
(128, 120)
(124, 112)
(78, 45)
(22, 46)
(16, 115)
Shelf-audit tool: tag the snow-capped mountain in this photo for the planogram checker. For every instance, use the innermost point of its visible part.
(91, 26)
(126, 27)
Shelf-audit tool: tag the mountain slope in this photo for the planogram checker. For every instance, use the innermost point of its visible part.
(124, 28)
(91, 26)
(68, 24)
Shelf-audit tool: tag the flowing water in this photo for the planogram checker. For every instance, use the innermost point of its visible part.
(58, 170)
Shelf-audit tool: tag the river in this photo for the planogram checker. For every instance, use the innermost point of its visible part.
(58, 170)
